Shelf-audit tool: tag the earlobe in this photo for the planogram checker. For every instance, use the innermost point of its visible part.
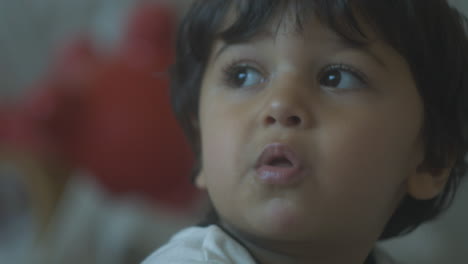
(194, 121)
(200, 180)
(426, 184)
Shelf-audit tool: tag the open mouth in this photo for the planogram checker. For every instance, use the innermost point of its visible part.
(278, 155)
(282, 162)
(279, 165)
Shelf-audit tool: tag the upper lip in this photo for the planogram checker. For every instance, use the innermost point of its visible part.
(276, 151)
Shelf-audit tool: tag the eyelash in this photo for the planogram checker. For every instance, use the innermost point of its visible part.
(347, 68)
(230, 70)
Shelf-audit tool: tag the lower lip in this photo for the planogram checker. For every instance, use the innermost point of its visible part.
(279, 175)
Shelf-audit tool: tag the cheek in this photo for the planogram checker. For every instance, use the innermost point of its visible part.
(222, 166)
(225, 131)
(368, 160)
(217, 147)
(221, 143)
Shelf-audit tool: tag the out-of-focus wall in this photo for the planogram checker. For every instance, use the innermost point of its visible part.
(30, 32)
(461, 4)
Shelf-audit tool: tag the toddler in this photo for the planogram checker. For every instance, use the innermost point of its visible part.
(320, 126)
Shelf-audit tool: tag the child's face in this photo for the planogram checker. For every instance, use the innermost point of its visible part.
(307, 138)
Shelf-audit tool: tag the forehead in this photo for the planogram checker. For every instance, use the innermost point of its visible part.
(305, 26)
(242, 23)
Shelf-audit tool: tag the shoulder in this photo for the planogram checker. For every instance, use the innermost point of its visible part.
(201, 245)
(382, 257)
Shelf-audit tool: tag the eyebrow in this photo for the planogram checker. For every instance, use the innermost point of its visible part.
(221, 50)
(361, 48)
(262, 35)
(343, 44)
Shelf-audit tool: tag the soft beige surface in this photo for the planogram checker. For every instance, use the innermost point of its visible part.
(442, 241)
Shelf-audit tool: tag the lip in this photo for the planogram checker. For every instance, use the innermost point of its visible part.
(270, 174)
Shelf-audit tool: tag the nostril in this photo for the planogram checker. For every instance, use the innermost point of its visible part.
(294, 120)
(287, 121)
(270, 120)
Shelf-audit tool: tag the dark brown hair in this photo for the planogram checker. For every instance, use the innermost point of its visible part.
(429, 34)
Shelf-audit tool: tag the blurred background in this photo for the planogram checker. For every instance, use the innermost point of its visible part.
(93, 167)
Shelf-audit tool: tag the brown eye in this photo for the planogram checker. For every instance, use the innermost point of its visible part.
(331, 79)
(341, 77)
(243, 76)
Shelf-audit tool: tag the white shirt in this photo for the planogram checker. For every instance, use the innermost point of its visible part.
(211, 245)
(201, 245)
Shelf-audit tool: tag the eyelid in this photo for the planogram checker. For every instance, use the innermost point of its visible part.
(237, 63)
(244, 63)
(361, 76)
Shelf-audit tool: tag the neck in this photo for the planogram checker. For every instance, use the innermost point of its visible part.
(267, 251)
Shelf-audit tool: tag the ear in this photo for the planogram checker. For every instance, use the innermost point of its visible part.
(427, 183)
(194, 121)
(200, 181)
(200, 177)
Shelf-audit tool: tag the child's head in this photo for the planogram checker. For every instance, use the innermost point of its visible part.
(318, 118)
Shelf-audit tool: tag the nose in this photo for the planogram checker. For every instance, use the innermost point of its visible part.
(284, 115)
(287, 107)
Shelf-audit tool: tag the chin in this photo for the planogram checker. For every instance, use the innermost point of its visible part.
(282, 222)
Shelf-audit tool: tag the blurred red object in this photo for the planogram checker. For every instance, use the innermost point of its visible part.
(148, 39)
(111, 115)
(129, 137)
